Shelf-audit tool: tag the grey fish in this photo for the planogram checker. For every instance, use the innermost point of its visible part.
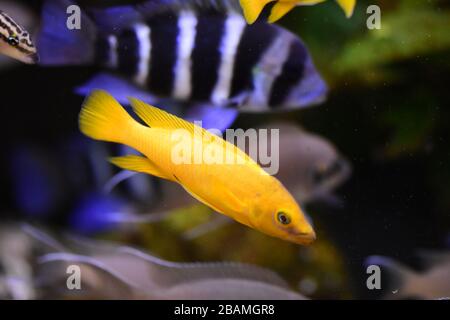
(404, 282)
(142, 276)
(310, 166)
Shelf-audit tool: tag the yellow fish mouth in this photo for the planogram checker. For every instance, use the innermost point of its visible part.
(307, 239)
(303, 238)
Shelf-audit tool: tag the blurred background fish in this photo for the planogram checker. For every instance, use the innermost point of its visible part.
(310, 166)
(16, 271)
(22, 15)
(404, 282)
(157, 51)
(132, 274)
(15, 41)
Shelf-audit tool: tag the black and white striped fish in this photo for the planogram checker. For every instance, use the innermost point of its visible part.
(15, 41)
(187, 51)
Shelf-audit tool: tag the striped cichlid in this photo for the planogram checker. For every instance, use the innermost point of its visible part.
(187, 51)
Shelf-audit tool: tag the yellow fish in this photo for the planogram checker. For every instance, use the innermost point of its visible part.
(253, 8)
(241, 190)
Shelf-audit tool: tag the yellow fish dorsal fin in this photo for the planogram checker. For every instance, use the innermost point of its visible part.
(253, 8)
(157, 118)
(139, 164)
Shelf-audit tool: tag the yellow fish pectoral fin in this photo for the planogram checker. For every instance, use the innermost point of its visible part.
(253, 8)
(139, 164)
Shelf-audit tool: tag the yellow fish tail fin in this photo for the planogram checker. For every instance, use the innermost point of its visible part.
(139, 164)
(348, 6)
(103, 118)
(253, 8)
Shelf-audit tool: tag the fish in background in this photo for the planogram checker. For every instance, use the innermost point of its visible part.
(406, 283)
(20, 247)
(27, 20)
(111, 271)
(190, 52)
(253, 8)
(15, 41)
(65, 184)
(310, 166)
(16, 272)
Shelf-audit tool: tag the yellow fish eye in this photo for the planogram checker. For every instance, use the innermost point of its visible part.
(283, 218)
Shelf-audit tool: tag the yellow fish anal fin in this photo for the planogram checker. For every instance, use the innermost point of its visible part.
(253, 8)
(157, 118)
(348, 6)
(139, 164)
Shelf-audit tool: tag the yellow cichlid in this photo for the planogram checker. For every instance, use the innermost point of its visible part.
(241, 190)
(253, 8)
